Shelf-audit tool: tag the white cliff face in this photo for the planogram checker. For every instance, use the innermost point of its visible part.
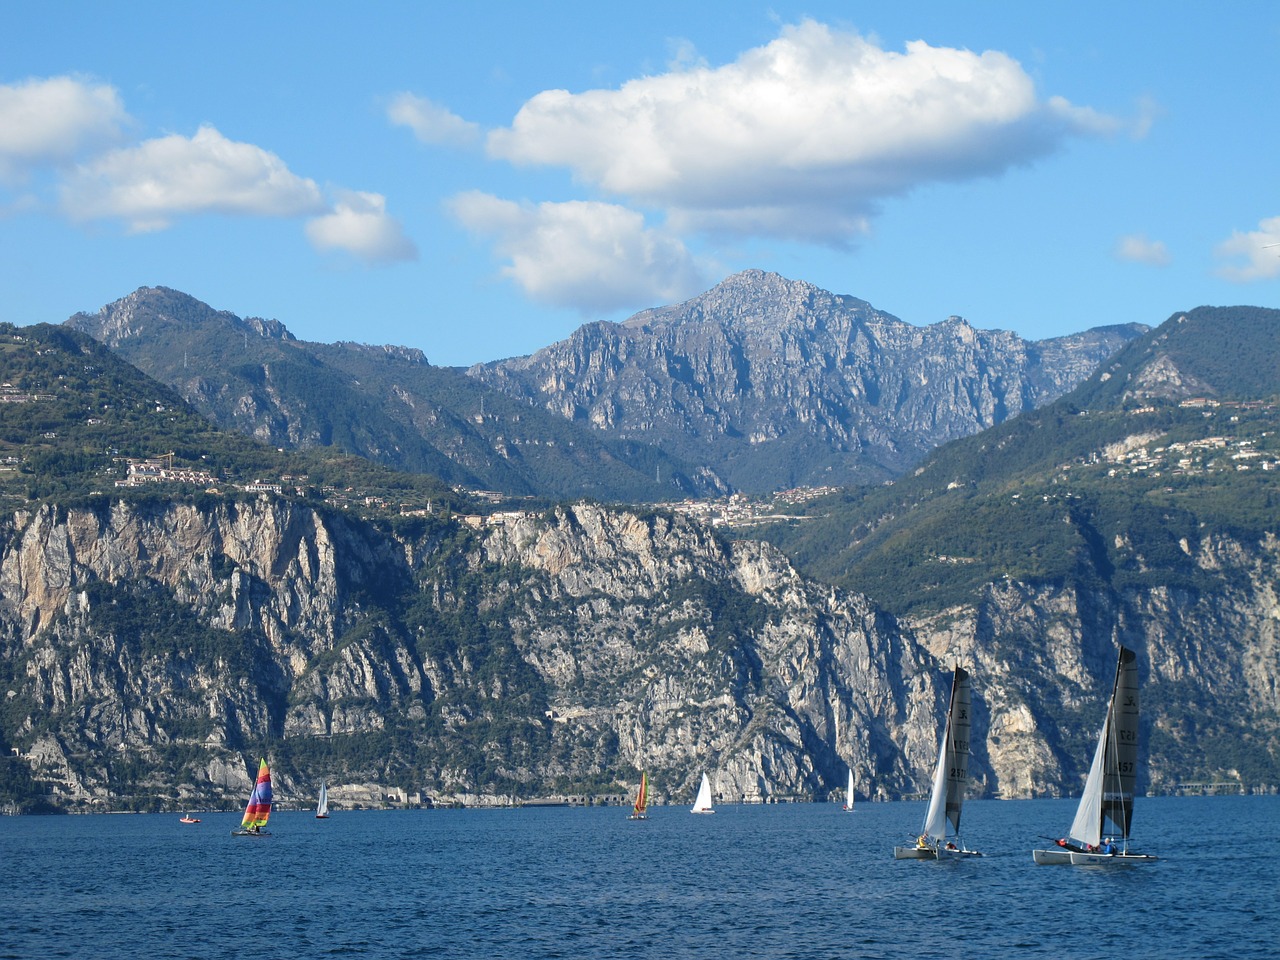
(577, 647)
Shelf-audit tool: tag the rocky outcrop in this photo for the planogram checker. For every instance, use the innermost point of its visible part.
(774, 382)
(152, 651)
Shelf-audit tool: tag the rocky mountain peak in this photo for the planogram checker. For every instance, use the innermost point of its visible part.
(151, 309)
(756, 300)
(774, 382)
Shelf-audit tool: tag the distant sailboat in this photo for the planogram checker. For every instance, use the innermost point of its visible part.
(703, 803)
(1109, 787)
(322, 807)
(639, 811)
(947, 795)
(258, 810)
(848, 794)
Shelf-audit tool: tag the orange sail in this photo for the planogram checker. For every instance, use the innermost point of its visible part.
(642, 798)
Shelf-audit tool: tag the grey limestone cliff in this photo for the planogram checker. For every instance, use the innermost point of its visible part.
(152, 651)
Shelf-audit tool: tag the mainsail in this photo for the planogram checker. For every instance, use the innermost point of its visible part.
(1109, 787)
(952, 771)
(642, 798)
(258, 809)
(703, 802)
(322, 807)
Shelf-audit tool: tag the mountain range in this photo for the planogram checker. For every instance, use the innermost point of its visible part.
(759, 384)
(154, 642)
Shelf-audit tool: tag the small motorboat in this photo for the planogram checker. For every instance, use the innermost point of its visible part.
(189, 819)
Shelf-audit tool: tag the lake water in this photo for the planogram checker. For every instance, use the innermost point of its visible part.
(789, 881)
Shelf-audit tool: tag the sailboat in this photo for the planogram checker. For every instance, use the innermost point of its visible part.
(322, 807)
(848, 794)
(638, 812)
(1108, 790)
(258, 810)
(703, 803)
(947, 795)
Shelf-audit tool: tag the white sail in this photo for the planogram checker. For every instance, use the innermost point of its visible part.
(703, 803)
(322, 808)
(1086, 828)
(947, 796)
(848, 794)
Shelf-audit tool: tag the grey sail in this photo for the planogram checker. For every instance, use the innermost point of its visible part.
(1122, 751)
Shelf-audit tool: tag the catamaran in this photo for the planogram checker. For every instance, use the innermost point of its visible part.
(1109, 787)
(258, 810)
(703, 802)
(639, 811)
(848, 794)
(949, 777)
(322, 806)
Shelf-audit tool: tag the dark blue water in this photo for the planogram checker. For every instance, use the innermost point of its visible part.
(803, 881)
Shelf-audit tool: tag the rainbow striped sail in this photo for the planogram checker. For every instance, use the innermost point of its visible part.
(258, 809)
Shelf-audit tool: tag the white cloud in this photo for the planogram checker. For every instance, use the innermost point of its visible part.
(430, 122)
(1136, 248)
(360, 225)
(582, 254)
(150, 184)
(801, 138)
(52, 120)
(1260, 249)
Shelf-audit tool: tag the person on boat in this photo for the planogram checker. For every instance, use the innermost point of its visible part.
(951, 845)
(922, 841)
(1062, 842)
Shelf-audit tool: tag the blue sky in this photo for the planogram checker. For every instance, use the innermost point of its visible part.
(478, 180)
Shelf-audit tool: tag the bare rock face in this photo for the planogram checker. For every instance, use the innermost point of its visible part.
(151, 652)
(774, 382)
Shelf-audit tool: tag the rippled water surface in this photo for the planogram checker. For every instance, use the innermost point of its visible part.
(795, 881)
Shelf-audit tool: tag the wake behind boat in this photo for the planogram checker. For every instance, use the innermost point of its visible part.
(1109, 787)
(947, 795)
(258, 810)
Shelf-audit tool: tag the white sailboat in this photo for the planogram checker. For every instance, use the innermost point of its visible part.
(322, 807)
(1109, 788)
(703, 803)
(848, 794)
(947, 795)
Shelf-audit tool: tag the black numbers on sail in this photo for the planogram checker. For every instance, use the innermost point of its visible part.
(1125, 767)
(956, 774)
(1128, 736)
(962, 746)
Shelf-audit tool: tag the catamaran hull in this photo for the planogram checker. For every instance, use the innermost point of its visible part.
(914, 853)
(250, 833)
(1084, 859)
(945, 854)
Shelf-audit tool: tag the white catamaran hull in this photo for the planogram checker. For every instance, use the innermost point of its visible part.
(1085, 859)
(914, 853)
